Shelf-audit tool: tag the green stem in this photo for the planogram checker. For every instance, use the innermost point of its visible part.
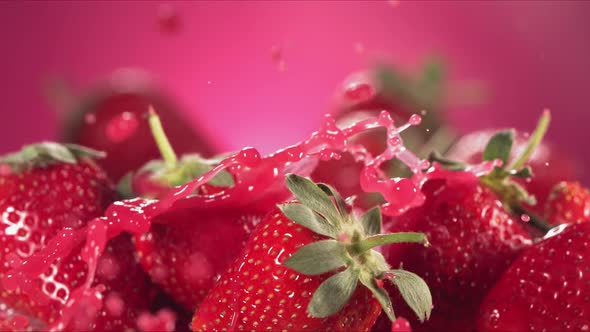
(535, 139)
(381, 239)
(535, 221)
(162, 142)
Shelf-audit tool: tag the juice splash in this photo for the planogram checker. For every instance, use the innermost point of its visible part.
(254, 176)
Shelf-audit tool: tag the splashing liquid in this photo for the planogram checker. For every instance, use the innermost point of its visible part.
(254, 176)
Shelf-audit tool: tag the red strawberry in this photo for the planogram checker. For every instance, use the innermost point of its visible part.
(545, 289)
(180, 252)
(548, 163)
(366, 95)
(183, 255)
(301, 269)
(569, 202)
(111, 119)
(473, 232)
(43, 189)
(473, 240)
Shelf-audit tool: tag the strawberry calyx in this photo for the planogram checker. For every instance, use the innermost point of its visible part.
(501, 179)
(170, 171)
(47, 153)
(349, 251)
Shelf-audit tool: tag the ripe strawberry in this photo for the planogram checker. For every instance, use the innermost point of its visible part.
(569, 202)
(473, 240)
(45, 188)
(548, 163)
(110, 119)
(469, 222)
(545, 289)
(180, 251)
(301, 269)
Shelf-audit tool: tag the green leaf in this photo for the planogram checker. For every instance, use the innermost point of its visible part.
(333, 294)
(44, 153)
(414, 291)
(449, 164)
(197, 166)
(371, 221)
(499, 146)
(305, 217)
(381, 239)
(125, 188)
(310, 195)
(318, 257)
(380, 294)
(82, 151)
(340, 203)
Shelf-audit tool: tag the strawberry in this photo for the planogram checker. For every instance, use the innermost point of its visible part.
(158, 176)
(45, 188)
(110, 119)
(180, 252)
(474, 234)
(301, 268)
(569, 202)
(473, 240)
(545, 289)
(367, 94)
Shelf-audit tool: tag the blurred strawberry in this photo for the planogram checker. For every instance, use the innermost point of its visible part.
(366, 94)
(569, 202)
(111, 119)
(47, 188)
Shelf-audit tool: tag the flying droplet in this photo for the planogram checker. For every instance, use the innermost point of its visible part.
(415, 119)
(525, 217)
(401, 325)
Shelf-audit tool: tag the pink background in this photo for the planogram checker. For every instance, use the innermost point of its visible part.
(530, 54)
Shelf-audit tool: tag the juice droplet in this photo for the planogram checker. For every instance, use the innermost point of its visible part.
(249, 157)
(415, 119)
(525, 217)
(121, 127)
(401, 325)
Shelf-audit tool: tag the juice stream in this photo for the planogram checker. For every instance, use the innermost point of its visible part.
(136, 215)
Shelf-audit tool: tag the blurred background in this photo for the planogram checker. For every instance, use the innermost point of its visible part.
(262, 74)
